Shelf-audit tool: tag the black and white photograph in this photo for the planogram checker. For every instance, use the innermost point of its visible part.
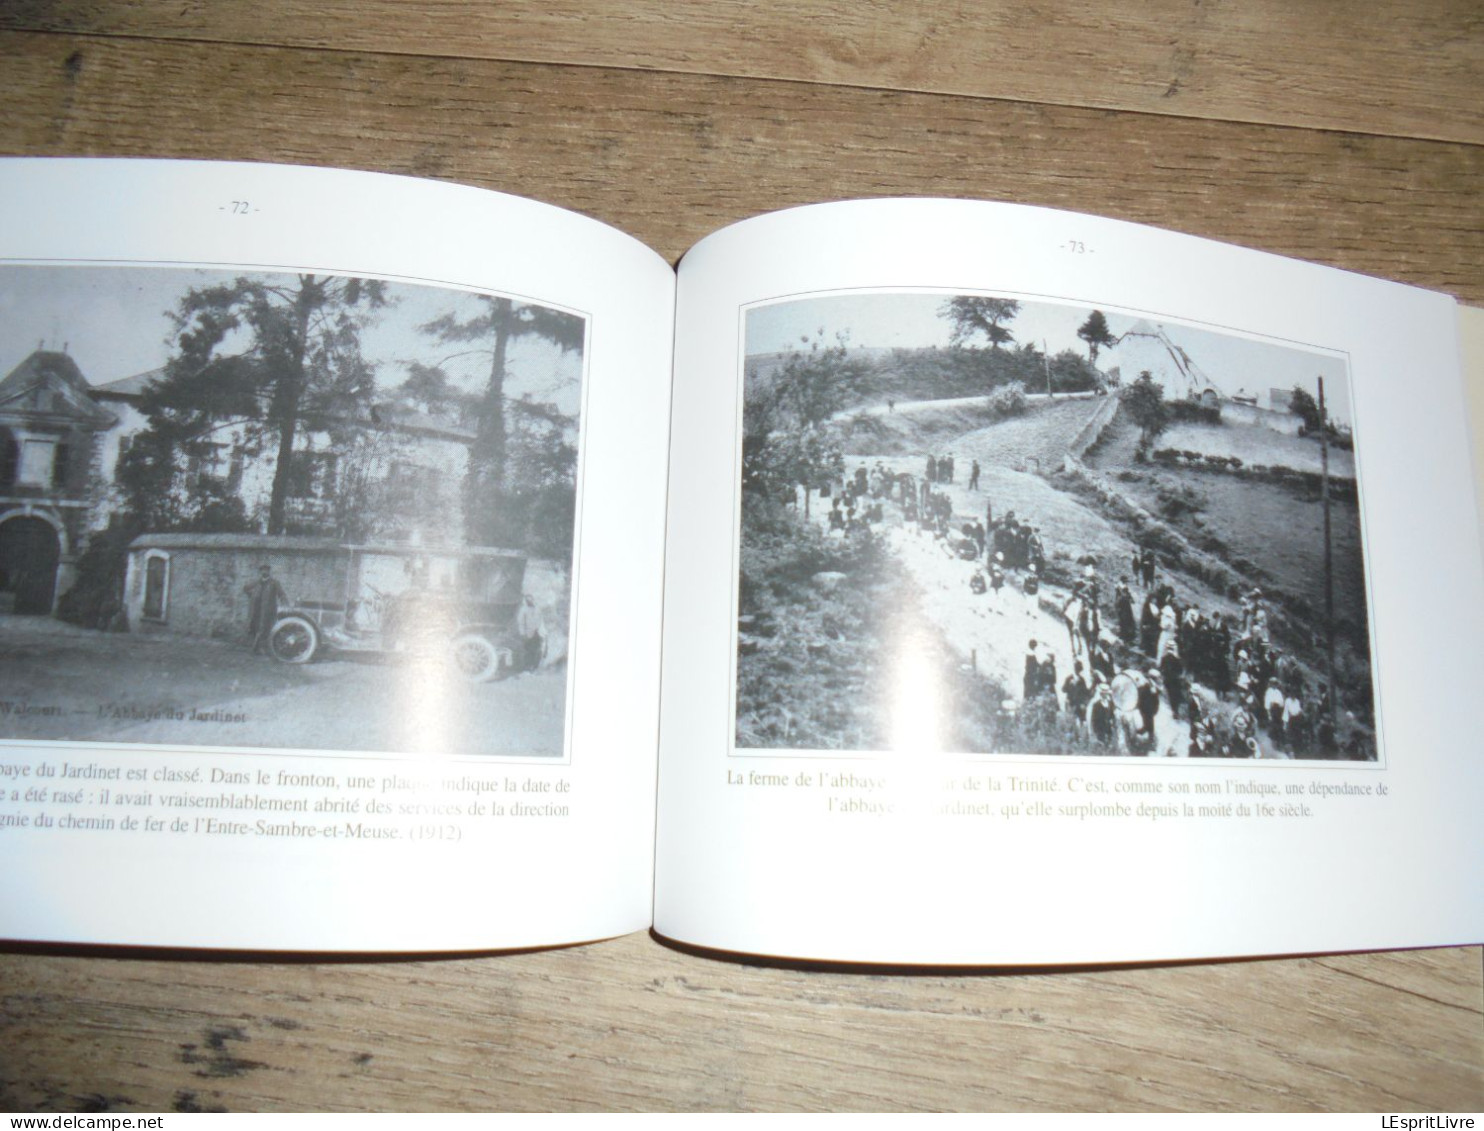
(994, 524)
(260, 510)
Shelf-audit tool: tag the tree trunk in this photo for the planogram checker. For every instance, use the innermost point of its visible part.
(487, 456)
(288, 394)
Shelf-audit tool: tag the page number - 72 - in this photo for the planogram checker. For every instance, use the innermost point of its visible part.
(237, 207)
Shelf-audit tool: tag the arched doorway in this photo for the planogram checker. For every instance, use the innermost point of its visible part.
(29, 553)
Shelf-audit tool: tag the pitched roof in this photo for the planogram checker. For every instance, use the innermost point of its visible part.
(40, 366)
(47, 371)
(129, 386)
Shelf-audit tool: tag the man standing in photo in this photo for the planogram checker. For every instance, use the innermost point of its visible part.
(528, 625)
(264, 596)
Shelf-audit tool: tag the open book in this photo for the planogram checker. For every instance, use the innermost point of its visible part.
(387, 565)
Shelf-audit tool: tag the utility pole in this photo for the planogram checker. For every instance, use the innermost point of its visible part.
(1046, 362)
(1329, 576)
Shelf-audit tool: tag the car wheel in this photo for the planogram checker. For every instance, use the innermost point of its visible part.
(294, 640)
(477, 659)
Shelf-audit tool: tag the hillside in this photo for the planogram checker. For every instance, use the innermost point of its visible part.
(1253, 444)
(969, 430)
(928, 373)
(1271, 532)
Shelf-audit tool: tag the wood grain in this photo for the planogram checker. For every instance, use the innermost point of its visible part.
(669, 158)
(669, 120)
(1410, 69)
(631, 1025)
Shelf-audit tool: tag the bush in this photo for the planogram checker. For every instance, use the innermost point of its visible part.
(1007, 400)
(1194, 412)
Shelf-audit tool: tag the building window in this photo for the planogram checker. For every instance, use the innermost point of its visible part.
(312, 475)
(156, 585)
(206, 464)
(38, 460)
(10, 459)
(61, 457)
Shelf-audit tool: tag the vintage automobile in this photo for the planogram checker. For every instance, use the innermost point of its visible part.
(456, 604)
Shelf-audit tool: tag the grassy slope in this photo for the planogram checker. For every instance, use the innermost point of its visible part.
(971, 432)
(1275, 526)
(1256, 445)
(931, 373)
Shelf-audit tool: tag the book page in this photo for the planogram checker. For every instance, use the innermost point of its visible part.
(331, 514)
(1048, 589)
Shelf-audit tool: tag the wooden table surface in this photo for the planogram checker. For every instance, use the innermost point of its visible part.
(1352, 135)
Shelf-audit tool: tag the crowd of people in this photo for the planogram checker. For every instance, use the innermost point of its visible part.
(1221, 675)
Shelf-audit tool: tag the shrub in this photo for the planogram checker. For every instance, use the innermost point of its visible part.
(1195, 412)
(1007, 400)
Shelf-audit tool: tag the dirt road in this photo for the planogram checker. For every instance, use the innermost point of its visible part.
(59, 682)
(992, 631)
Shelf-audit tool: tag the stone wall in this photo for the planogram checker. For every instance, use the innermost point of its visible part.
(206, 583)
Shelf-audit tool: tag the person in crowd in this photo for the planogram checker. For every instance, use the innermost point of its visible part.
(1241, 741)
(1272, 712)
(1324, 727)
(1048, 674)
(974, 476)
(1102, 719)
(1172, 674)
(1076, 693)
(1169, 626)
(1031, 586)
(1030, 683)
(1147, 702)
(1202, 744)
(1101, 662)
(1123, 607)
(1295, 725)
(1149, 624)
(1260, 625)
(1219, 649)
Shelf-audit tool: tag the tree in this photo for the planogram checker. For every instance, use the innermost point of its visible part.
(539, 498)
(1145, 402)
(500, 322)
(264, 358)
(786, 416)
(1303, 405)
(428, 388)
(977, 314)
(1096, 334)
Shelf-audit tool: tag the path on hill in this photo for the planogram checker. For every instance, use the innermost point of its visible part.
(908, 407)
(993, 631)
